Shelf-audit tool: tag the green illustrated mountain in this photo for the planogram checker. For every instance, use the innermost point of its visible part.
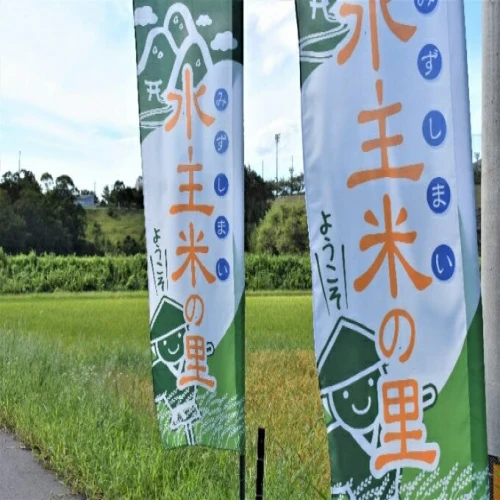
(173, 35)
(320, 33)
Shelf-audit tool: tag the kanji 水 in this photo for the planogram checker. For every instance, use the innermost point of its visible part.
(192, 259)
(402, 31)
(403, 424)
(189, 99)
(380, 115)
(389, 240)
(196, 364)
(190, 187)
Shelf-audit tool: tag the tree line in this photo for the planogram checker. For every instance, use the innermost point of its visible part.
(45, 216)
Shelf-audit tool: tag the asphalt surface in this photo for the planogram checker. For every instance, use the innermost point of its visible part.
(23, 478)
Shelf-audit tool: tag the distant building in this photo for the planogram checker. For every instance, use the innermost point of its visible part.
(139, 183)
(86, 200)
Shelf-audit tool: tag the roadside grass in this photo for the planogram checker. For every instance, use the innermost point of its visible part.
(76, 386)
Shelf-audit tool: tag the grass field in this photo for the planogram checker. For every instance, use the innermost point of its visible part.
(115, 228)
(76, 386)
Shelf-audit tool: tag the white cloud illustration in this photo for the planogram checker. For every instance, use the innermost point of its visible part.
(224, 41)
(144, 16)
(204, 20)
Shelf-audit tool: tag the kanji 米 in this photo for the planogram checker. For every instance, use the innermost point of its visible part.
(192, 250)
(389, 241)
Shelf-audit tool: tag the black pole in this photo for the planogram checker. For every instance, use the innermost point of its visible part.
(261, 442)
(242, 477)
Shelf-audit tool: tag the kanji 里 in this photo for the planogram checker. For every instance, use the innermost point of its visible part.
(196, 364)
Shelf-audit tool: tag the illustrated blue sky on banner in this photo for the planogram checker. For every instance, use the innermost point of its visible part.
(68, 88)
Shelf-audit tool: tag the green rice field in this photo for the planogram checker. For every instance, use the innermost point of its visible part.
(76, 387)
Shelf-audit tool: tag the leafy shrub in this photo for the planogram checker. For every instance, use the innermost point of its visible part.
(283, 230)
(48, 273)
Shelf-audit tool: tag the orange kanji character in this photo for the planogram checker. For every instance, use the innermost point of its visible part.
(401, 403)
(389, 240)
(396, 315)
(402, 31)
(190, 187)
(411, 172)
(195, 373)
(192, 258)
(190, 99)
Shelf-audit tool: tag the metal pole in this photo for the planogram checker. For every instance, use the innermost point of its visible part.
(19, 163)
(277, 139)
(261, 443)
(262, 169)
(490, 218)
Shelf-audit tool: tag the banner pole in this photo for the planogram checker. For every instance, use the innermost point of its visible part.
(490, 228)
(242, 476)
(261, 442)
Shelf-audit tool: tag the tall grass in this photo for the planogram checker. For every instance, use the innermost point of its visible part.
(76, 386)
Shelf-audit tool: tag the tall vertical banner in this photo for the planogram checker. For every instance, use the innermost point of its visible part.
(190, 85)
(391, 214)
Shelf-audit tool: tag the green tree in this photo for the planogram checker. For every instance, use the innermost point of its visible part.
(47, 180)
(12, 227)
(284, 229)
(130, 246)
(106, 194)
(258, 198)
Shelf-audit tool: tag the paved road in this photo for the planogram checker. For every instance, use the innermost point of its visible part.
(23, 478)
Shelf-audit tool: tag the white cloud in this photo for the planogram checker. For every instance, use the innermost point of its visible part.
(224, 41)
(72, 65)
(271, 26)
(144, 16)
(204, 20)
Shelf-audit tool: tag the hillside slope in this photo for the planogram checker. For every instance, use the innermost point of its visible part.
(123, 222)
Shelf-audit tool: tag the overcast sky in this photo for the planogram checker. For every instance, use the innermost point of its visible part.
(68, 96)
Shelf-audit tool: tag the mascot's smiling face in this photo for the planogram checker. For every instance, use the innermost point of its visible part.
(171, 348)
(357, 404)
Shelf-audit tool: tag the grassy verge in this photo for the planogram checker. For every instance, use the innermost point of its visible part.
(76, 386)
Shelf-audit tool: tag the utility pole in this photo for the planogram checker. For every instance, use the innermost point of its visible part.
(291, 177)
(262, 169)
(277, 139)
(19, 163)
(490, 218)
